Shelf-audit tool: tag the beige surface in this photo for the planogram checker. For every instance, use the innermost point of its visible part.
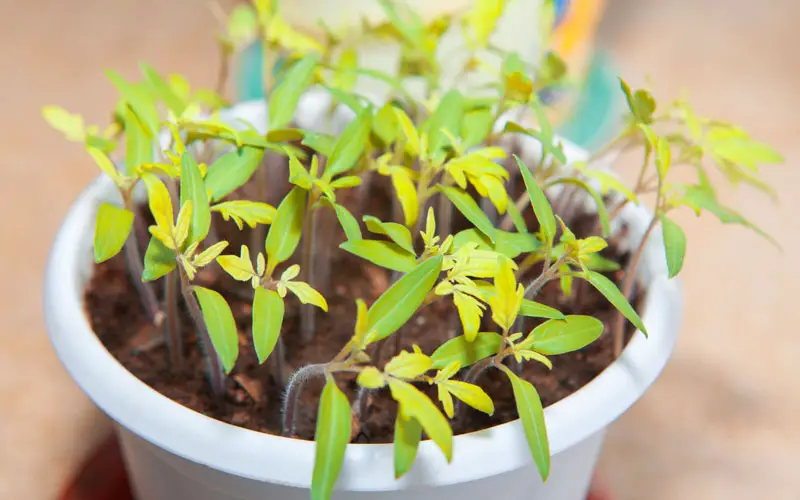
(718, 425)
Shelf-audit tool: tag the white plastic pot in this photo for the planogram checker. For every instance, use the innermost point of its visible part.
(172, 452)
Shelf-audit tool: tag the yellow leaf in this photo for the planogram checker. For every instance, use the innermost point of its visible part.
(409, 131)
(209, 254)
(371, 378)
(345, 77)
(184, 220)
(470, 394)
(407, 195)
(190, 270)
(287, 37)
(163, 236)
(160, 202)
(508, 296)
(518, 87)
(361, 322)
(105, 165)
(457, 172)
(249, 212)
(240, 268)
(290, 273)
(448, 371)
(483, 20)
(447, 401)
(592, 244)
(470, 311)
(430, 225)
(261, 264)
(408, 365)
(307, 295)
(497, 192)
(71, 125)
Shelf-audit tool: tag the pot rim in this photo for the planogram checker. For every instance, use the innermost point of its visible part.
(367, 467)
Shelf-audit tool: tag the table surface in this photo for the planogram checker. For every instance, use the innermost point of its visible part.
(720, 423)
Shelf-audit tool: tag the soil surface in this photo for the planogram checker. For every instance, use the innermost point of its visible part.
(254, 395)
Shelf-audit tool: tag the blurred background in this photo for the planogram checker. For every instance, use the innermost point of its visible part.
(722, 421)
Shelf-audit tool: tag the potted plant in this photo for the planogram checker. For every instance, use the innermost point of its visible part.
(328, 296)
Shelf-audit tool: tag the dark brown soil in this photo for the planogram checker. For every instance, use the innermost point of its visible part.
(254, 399)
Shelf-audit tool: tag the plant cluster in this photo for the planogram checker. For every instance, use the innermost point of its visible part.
(448, 154)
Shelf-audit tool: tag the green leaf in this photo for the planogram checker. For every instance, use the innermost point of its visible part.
(319, 142)
(396, 232)
(735, 146)
(613, 295)
(267, 320)
(242, 25)
(674, 245)
(598, 263)
(467, 353)
(545, 135)
(350, 145)
(560, 336)
(516, 217)
(332, 436)
(163, 91)
(139, 100)
(415, 404)
(345, 78)
(382, 253)
(220, 324)
(476, 127)
(193, 189)
(285, 135)
(512, 245)
(348, 222)
(158, 261)
(704, 198)
(531, 309)
(286, 229)
(541, 207)
(397, 304)
(551, 70)
(349, 99)
(384, 125)
(231, 171)
(467, 206)
(531, 413)
(298, 175)
(407, 435)
(112, 227)
(408, 25)
(138, 149)
(641, 103)
(284, 97)
(446, 119)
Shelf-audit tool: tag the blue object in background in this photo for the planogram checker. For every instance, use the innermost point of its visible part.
(561, 8)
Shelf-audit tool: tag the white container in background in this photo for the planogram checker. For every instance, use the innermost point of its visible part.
(517, 30)
(172, 452)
